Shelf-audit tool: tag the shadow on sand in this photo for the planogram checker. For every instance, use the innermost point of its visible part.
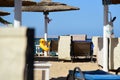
(59, 78)
(55, 58)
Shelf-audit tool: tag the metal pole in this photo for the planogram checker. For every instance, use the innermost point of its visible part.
(105, 40)
(17, 16)
(46, 27)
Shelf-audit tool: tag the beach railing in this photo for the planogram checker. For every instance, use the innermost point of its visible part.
(37, 49)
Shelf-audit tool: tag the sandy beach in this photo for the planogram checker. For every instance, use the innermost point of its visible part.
(59, 69)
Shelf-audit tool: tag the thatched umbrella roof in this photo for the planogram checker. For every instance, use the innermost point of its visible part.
(115, 1)
(110, 2)
(10, 3)
(3, 13)
(48, 6)
(17, 4)
(3, 21)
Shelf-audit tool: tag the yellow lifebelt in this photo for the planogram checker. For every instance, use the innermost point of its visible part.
(43, 45)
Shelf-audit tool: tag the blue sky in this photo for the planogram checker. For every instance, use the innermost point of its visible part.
(88, 20)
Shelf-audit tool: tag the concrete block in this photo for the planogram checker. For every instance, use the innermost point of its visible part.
(95, 44)
(64, 47)
(16, 53)
(114, 53)
(81, 37)
(100, 51)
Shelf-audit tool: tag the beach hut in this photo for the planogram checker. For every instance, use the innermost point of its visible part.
(47, 6)
(17, 4)
(106, 38)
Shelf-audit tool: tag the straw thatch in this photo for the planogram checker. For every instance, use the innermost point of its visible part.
(115, 1)
(3, 21)
(10, 3)
(3, 13)
(48, 6)
(109, 2)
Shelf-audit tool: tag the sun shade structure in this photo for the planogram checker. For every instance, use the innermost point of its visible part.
(3, 13)
(47, 6)
(10, 3)
(109, 2)
(115, 1)
(17, 4)
(3, 21)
